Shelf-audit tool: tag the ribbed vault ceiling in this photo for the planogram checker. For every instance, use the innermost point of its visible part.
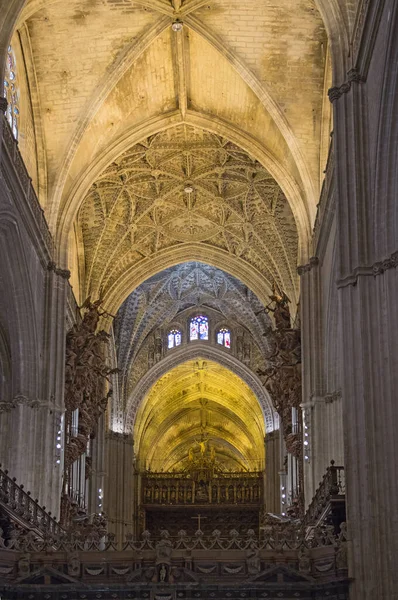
(161, 300)
(195, 398)
(186, 185)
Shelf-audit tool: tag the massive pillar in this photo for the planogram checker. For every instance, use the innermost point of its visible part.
(119, 483)
(366, 139)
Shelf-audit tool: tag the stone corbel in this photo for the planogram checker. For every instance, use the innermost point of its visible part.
(353, 76)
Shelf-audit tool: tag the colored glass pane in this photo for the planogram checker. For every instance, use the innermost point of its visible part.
(11, 93)
(224, 337)
(194, 330)
(174, 338)
(199, 328)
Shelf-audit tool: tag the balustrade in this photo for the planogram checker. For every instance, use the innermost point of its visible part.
(22, 509)
(328, 503)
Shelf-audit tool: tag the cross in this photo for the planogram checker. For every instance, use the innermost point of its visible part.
(199, 517)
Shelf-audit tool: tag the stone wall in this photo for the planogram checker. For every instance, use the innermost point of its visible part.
(32, 313)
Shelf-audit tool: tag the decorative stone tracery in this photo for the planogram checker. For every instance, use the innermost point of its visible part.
(186, 185)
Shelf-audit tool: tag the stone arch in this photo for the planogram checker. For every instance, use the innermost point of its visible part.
(193, 352)
(181, 253)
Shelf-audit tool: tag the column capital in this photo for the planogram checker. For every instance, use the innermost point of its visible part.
(314, 262)
(353, 76)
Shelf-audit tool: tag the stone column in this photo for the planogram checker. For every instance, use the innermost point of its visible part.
(30, 428)
(97, 476)
(366, 139)
(272, 494)
(119, 483)
(49, 474)
(311, 351)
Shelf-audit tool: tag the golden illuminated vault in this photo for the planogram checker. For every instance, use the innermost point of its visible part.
(199, 400)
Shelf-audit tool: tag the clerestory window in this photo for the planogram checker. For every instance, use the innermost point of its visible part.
(224, 337)
(199, 328)
(174, 338)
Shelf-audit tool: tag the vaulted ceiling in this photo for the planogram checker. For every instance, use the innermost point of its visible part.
(179, 186)
(165, 133)
(200, 397)
(164, 299)
(106, 75)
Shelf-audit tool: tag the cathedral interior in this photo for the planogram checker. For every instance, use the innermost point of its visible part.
(198, 299)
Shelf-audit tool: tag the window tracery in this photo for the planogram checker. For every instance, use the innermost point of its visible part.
(199, 328)
(224, 337)
(11, 92)
(174, 338)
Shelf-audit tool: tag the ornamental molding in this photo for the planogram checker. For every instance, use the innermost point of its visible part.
(19, 400)
(353, 76)
(378, 268)
(314, 262)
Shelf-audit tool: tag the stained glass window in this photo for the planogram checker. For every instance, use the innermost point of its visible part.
(174, 338)
(224, 337)
(11, 93)
(199, 328)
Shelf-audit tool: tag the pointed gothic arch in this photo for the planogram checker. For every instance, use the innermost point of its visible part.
(194, 352)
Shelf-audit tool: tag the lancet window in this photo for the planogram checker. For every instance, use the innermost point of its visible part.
(174, 338)
(199, 328)
(224, 337)
(11, 92)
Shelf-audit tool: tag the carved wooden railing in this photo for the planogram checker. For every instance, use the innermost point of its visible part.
(231, 488)
(331, 491)
(24, 511)
(32, 204)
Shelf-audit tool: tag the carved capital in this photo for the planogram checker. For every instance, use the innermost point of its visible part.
(332, 397)
(353, 76)
(378, 268)
(18, 400)
(64, 273)
(7, 406)
(314, 262)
